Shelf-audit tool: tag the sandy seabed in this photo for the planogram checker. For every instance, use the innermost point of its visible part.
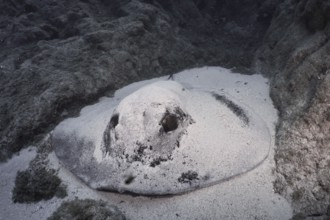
(247, 196)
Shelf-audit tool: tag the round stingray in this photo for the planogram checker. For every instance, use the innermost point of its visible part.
(162, 139)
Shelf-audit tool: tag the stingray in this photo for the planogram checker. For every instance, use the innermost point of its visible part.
(162, 139)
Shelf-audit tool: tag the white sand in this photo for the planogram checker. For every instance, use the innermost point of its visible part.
(248, 196)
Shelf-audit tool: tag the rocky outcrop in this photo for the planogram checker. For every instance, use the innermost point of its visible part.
(56, 56)
(93, 49)
(296, 56)
(87, 209)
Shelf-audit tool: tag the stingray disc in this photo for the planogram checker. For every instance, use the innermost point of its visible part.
(162, 139)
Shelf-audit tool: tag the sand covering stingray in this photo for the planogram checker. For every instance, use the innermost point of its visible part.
(162, 139)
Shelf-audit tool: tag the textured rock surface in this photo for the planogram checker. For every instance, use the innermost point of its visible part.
(34, 186)
(55, 56)
(58, 55)
(87, 209)
(296, 55)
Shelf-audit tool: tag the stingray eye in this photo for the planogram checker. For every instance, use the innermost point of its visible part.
(114, 120)
(169, 122)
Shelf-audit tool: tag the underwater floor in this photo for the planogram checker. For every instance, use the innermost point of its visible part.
(240, 179)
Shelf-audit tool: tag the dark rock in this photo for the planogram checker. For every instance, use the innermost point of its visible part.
(36, 185)
(86, 209)
(296, 57)
(313, 14)
(73, 52)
